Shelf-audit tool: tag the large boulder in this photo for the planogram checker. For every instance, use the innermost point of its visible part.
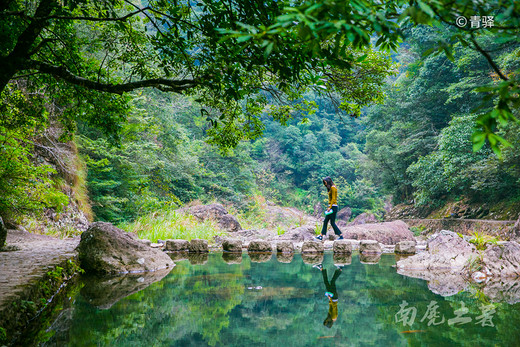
(229, 223)
(388, 233)
(106, 249)
(218, 213)
(344, 214)
(501, 261)
(3, 233)
(211, 211)
(364, 218)
(318, 210)
(442, 264)
(445, 251)
(450, 262)
(303, 233)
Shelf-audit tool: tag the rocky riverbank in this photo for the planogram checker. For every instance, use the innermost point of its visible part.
(452, 264)
(32, 270)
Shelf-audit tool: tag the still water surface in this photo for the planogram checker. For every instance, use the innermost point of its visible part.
(238, 302)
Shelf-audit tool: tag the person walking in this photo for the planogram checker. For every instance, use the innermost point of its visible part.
(332, 211)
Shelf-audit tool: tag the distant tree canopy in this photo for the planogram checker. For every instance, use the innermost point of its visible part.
(356, 21)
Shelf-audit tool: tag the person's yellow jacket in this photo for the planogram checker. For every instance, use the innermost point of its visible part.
(333, 196)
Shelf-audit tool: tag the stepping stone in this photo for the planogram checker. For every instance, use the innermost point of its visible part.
(312, 247)
(259, 246)
(405, 247)
(285, 247)
(234, 246)
(198, 246)
(342, 246)
(369, 246)
(176, 245)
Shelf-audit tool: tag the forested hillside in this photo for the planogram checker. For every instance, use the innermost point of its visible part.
(398, 124)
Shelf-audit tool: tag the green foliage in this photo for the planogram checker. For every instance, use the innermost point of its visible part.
(419, 142)
(417, 230)
(317, 228)
(161, 162)
(482, 241)
(475, 263)
(26, 185)
(172, 224)
(449, 169)
(92, 49)
(283, 70)
(340, 21)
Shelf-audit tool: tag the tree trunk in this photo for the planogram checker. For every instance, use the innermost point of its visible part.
(21, 52)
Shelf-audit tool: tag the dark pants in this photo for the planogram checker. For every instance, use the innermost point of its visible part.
(332, 218)
(331, 287)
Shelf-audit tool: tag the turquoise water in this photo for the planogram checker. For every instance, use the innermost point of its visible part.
(270, 303)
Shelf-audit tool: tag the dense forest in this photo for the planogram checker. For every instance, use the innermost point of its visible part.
(400, 123)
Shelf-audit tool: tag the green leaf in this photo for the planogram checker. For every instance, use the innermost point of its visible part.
(426, 8)
(363, 57)
(268, 49)
(479, 139)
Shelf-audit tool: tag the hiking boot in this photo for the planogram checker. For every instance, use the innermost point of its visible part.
(340, 237)
(319, 238)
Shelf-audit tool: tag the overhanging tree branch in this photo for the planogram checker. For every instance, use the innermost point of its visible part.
(489, 59)
(63, 73)
(98, 19)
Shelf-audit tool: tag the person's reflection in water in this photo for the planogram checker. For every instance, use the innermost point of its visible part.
(331, 293)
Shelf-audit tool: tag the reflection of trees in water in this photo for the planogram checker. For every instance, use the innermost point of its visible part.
(191, 304)
(280, 304)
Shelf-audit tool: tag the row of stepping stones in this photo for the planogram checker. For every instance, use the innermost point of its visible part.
(235, 246)
(262, 257)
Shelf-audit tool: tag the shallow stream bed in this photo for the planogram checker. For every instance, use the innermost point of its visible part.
(234, 301)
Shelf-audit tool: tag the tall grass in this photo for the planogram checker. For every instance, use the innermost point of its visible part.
(172, 224)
